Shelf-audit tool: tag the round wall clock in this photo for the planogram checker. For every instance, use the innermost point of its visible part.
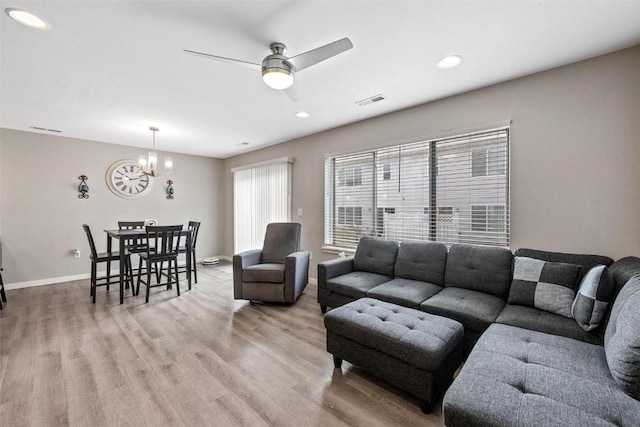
(127, 180)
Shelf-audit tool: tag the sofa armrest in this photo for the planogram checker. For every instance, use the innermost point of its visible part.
(240, 262)
(329, 269)
(296, 271)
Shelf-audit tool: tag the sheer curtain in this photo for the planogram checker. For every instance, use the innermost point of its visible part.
(261, 195)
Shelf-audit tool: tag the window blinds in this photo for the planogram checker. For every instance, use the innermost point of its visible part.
(450, 190)
(262, 195)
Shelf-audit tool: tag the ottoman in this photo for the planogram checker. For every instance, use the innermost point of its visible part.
(412, 350)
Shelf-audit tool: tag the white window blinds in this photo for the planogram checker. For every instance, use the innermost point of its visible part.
(450, 190)
(262, 194)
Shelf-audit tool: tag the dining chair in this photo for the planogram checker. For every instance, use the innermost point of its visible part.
(163, 243)
(194, 227)
(105, 257)
(134, 246)
(3, 296)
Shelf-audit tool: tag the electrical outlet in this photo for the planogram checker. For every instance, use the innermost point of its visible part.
(76, 253)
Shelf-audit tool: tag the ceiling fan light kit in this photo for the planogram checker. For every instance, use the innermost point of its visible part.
(277, 73)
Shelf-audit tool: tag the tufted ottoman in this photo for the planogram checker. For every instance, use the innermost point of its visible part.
(415, 351)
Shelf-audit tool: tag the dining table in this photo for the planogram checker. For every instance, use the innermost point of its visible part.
(140, 233)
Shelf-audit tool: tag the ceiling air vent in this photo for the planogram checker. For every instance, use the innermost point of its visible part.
(371, 100)
(45, 129)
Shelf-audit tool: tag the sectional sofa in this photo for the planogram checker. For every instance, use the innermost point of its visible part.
(544, 345)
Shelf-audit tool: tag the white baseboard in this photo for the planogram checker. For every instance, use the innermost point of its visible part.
(85, 276)
(48, 281)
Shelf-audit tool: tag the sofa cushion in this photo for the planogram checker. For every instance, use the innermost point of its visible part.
(543, 321)
(355, 284)
(518, 377)
(406, 292)
(423, 261)
(475, 310)
(622, 338)
(269, 273)
(479, 268)
(548, 286)
(375, 255)
(592, 299)
(585, 260)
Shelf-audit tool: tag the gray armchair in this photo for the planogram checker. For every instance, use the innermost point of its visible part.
(278, 272)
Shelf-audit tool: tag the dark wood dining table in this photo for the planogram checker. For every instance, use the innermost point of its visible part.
(123, 235)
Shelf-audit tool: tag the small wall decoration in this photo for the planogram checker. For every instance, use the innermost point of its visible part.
(83, 188)
(170, 190)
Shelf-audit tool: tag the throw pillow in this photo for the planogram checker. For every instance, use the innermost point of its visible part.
(593, 298)
(622, 338)
(548, 286)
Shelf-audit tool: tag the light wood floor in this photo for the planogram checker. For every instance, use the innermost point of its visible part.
(201, 359)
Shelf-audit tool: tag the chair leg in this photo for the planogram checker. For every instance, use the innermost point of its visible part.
(3, 296)
(148, 282)
(193, 266)
(108, 274)
(169, 277)
(94, 281)
(159, 272)
(177, 277)
(139, 272)
(130, 275)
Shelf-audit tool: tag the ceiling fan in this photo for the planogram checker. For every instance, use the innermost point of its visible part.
(278, 71)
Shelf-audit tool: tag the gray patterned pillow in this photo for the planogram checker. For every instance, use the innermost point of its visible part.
(593, 298)
(548, 286)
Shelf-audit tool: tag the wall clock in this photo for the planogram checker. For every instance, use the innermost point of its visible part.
(127, 180)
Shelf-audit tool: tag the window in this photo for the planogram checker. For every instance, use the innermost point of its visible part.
(451, 190)
(489, 161)
(350, 215)
(490, 218)
(261, 194)
(350, 176)
(386, 171)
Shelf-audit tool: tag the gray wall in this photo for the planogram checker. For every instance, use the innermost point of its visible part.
(575, 183)
(41, 216)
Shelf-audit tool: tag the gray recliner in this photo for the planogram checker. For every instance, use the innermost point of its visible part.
(278, 272)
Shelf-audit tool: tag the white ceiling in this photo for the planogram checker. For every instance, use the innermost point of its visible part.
(107, 70)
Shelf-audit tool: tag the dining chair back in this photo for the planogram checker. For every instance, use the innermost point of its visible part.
(194, 227)
(133, 245)
(104, 257)
(3, 296)
(163, 245)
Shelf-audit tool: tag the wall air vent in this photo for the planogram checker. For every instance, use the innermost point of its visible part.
(371, 100)
(45, 129)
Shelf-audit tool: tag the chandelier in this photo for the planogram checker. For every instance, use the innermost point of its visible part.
(149, 164)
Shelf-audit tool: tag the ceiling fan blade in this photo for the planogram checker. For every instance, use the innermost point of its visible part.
(223, 59)
(312, 57)
(292, 93)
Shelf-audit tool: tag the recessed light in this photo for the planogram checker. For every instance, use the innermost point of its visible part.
(27, 18)
(242, 144)
(450, 61)
(302, 114)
